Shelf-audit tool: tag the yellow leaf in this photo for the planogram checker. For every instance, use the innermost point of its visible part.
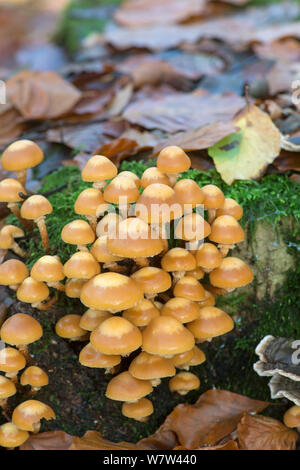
(247, 156)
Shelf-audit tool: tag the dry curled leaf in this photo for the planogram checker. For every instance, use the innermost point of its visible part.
(198, 139)
(183, 111)
(92, 440)
(264, 433)
(52, 440)
(213, 417)
(148, 12)
(41, 95)
(247, 153)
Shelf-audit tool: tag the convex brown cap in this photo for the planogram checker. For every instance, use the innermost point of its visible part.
(20, 329)
(211, 322)
(78, 232)
(11, 436)
(81, 265)
(35, 207)
(10, 189)
(226, 230)
(28, 414)
(230, 207)
(47, 269)
(125, 387)
(116, 335)
(173, 159)
(98, 169)
(231, 273)
(21, 155)
(149, 367)
(13, 272)
(178, 259)
(90, 357)
(112, 292)
(158, 203)
(152, 280)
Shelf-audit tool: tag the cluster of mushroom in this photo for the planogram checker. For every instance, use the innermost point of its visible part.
(19, 331)
(123, 265)
(144, 299)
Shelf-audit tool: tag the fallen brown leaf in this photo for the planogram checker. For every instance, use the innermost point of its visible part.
(149, 12)
(264, 433)
(92, 440)
(41, 95)
(52, 440)
(197, 139)
(281, 76)
(286, 50)
(183, 111)
(214, 416)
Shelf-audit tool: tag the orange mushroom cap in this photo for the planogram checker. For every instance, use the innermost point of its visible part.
(211, 322)
(21, 155)
(173, 159)
(20, 329)
(28, 414)
(125, 387)
(231, 273)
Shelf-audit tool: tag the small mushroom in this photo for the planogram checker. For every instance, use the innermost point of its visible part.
(291, 417)
(102, 254)
(211, 322)
(90, 203)
(116, 335)
(172, 160)
(178, 261)
(197, 273)
(98, 170)
(183, 383)
(142, 314)
(153, 368)
(166, 336)
(230, 207)
(189, 288)
(226, 231)
(28, 415)
(68, 327)
(192, 228)
(139, 410)
(112, 292)
(208, 257)
(130, 174)
(81, 265)
(189, 194)
(35, 293)
(35, 377)
(12, 273)
(134, 240)
(213, 200)
(179, 360)
(91, 319)
(183, 310)
(49, 269)
(79, 233)
(73, 287)
(20, 330)
(90, 357)
(152, 175)
(208, 301)
(7, 389)
(7, 239)
(125, 387)
(231, 273)
(21, 155)
(11, 362)
(11, 436)
(152, 280)
(10, 190)
(122, 191)
(108, 224)
(36, 208)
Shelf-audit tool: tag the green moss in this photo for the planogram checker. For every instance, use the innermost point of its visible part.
(72, 29)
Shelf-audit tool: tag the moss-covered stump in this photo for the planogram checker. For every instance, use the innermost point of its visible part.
(270, 305)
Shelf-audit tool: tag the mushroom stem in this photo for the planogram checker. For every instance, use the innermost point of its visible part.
(44, 306)
(82, 248)
(57, 285)
(225, 248)
(40, 222)
(21, 177)
(173, 178)
(177, 275)
(3, 403)
(182, 392)
(203, 340)
(17, 249)
(155, 382)
(3, 253)
(142, 262)
(211, 215)
(36, 427)
(92, 220)
(13, 376)
(23, 348)
(14, 286)
(14, 208)
(99, 185)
